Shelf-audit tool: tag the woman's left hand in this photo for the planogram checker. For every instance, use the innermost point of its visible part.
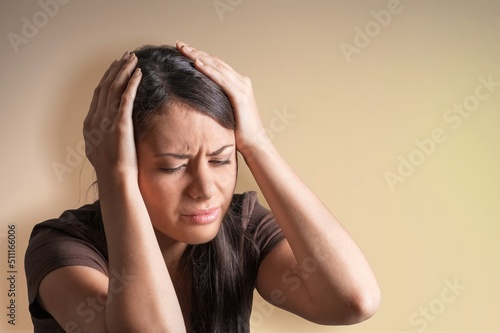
(312, 233)
(249, 130)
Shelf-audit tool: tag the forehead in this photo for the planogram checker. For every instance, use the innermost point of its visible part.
(184, 129)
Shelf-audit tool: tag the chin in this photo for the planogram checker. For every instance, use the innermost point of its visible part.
(201, 234)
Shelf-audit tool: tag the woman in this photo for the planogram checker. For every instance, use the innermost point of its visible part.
(169, 247)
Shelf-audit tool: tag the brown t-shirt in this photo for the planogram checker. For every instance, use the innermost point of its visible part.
(77, 238)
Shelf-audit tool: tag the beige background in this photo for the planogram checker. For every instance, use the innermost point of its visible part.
(355, 118)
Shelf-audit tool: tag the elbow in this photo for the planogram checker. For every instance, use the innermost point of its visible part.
(364, 305)
(356, 307)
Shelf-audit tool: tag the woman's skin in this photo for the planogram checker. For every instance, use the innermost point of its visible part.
(174, 189)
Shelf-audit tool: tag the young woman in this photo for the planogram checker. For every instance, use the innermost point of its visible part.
(169, 247)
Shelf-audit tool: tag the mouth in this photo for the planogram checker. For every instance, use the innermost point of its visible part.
(202, 216)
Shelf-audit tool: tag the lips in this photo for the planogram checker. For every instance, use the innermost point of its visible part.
(202, 216)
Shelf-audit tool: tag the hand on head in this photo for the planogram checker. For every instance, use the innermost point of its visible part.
(108, 128)
(238, 88)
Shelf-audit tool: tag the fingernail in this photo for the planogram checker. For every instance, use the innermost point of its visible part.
(198, 62)
(124, 55)
(131, 57)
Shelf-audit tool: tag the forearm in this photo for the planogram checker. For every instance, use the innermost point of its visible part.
(148, 299)
(311, 230)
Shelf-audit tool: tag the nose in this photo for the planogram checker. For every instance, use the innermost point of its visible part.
(202, 185)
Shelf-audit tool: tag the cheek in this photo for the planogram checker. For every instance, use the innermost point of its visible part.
(227, 180)
(158, 194)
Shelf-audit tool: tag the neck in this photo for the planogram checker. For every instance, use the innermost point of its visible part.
(171, 250)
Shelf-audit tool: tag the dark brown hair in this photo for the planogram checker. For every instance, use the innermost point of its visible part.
(169, 77)
(220, 301)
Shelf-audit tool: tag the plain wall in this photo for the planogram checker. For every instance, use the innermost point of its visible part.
(392, 122)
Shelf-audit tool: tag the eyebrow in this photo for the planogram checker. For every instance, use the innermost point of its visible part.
(186, 156)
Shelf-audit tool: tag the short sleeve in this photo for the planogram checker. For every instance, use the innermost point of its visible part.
(262, 225)
(57, 243)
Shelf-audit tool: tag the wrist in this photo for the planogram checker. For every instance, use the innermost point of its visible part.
(257, 151)
(251, 143)
(114, 182)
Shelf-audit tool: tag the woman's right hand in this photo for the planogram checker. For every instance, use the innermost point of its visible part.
(132, 246)
(108, 128)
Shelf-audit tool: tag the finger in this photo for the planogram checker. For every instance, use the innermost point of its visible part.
(105, 75)
(223, 75)
(120, 83)
(110, 78)
(230, 82)
(216, 69)
(179, 45)
(215, 62)
(190, 52)
(95, 97)
(128, 97)
(208, 59)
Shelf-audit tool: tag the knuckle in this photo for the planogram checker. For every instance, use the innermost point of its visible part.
(105, 85)
(223, 81)
(219, 65)
(114, 104)
(97, 90)
(247, 80)
(88, 122)
(114, 88)
(126, 99)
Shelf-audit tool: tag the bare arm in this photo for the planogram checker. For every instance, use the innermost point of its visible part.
(147, 303)
(334, 282)
(341, 289)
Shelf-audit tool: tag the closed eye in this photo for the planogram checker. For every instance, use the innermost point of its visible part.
(173, 170)
(220, 162)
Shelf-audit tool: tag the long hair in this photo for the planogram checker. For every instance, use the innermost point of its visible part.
(219, 296)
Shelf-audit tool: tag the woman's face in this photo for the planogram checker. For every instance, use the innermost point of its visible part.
(187, 174)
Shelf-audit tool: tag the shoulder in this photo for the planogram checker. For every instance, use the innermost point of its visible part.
(244, 201)
(75, 238)
(248, 206)
(74, 231)
(83, 223)
(259, 223)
